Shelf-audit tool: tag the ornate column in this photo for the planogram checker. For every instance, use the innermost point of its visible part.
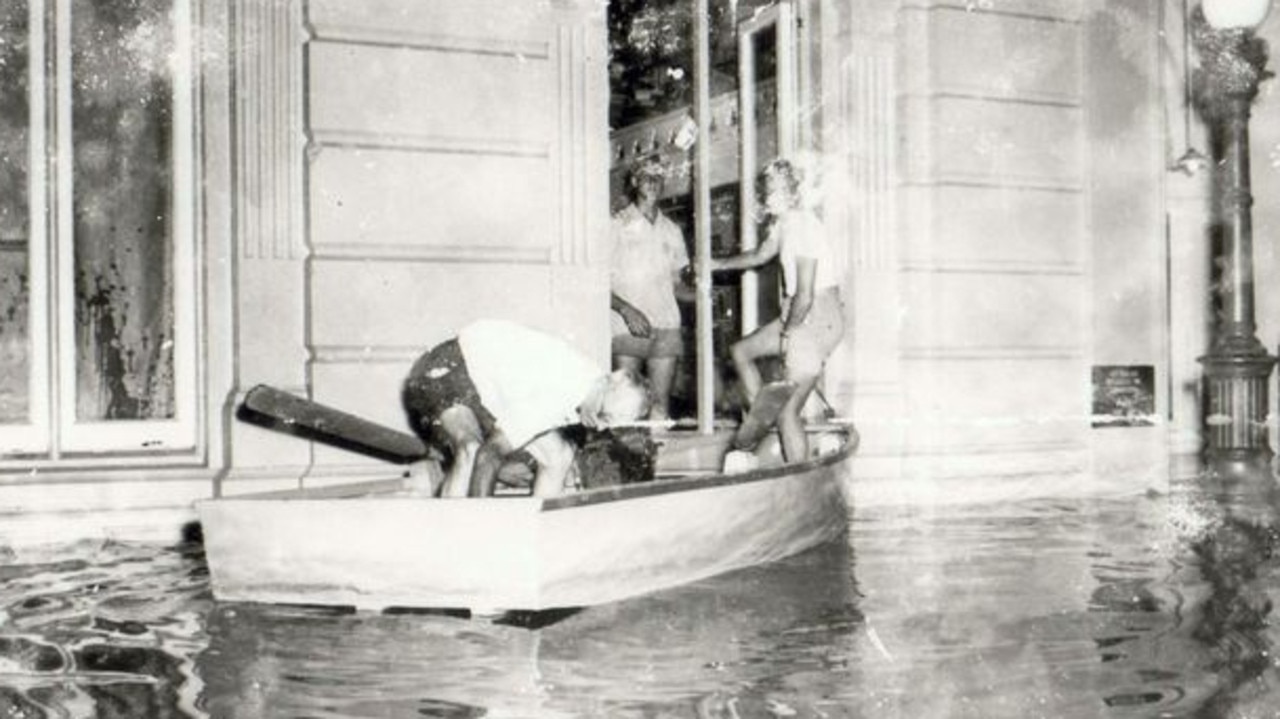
(1237, 366)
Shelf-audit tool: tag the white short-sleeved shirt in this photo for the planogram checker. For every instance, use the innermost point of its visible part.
(530, 381)
(646, 257)
(803, 235)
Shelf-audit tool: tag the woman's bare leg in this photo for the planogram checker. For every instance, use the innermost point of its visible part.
(764, 342)
(795, 443)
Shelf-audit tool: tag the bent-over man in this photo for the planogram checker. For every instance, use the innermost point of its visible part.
(499, 387)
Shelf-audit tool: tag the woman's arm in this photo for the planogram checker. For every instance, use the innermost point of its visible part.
(762, 253)
(802, 300)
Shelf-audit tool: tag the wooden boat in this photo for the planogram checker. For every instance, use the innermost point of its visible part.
(376, 545)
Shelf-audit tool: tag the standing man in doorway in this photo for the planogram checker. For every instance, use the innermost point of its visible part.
(649, 256)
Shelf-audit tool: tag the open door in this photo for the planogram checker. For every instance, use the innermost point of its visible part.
(768, 97)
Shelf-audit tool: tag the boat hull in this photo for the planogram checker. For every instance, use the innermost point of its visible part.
(374, 547)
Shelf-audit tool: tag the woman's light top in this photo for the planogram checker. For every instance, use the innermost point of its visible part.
(802, 234)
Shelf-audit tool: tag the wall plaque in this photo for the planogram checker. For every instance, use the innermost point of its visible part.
(1124, 395)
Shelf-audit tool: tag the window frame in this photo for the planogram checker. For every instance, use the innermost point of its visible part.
(53, 432)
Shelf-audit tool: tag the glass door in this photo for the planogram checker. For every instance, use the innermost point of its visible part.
(768, 98)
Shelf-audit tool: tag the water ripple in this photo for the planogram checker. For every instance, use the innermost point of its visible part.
(1062, 609)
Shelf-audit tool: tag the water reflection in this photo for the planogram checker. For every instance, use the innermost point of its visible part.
(1234, 553)
(106, 634)
(1151, 607)
(769, 637)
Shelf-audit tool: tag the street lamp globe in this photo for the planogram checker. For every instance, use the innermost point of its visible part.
(1232, 14)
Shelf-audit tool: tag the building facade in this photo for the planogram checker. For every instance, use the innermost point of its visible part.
(340, 186)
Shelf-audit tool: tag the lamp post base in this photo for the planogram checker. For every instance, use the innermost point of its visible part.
(1233, 465)
(1237, 416)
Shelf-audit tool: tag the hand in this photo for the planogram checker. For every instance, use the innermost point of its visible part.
(637, 324)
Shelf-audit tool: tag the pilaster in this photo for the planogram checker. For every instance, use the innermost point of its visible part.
(268, 180)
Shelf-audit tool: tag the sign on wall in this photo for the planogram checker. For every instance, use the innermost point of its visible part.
(1124, 395)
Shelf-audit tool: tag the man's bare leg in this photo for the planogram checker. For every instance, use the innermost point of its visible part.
(635, 364)
(488, 461)
(426, 477)
(462, 431)
(662, 373)
(554, 455)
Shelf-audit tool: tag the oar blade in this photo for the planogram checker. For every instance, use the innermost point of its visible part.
(275, 409)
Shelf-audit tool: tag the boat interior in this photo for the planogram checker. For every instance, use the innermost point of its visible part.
(686, 460)
(677, 450)
(681, 451)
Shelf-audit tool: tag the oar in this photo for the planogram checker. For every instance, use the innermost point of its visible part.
(269, 407)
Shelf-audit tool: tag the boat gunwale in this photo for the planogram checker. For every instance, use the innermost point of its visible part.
(680, 482)
(657, 487)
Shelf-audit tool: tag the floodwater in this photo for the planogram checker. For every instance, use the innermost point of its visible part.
(1155, 606)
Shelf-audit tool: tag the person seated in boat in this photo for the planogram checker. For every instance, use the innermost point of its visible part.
(498, 387)
(649, 257)
(812, 320)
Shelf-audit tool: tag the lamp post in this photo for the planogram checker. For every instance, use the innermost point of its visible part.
(1237, 366)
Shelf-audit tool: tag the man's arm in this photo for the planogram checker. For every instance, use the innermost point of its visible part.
(755, 257)
(637, 323)
(488, 461)
(554, 455)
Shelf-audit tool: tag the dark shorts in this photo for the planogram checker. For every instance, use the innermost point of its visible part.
(664, 342)
(438, 381)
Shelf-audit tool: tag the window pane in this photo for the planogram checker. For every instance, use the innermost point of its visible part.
(15, 226)
(121, 114)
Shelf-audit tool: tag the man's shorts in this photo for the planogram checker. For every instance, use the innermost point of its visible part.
(662, 342)
(809, 345)
(438, 381)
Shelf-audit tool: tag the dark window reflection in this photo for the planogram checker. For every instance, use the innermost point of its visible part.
(121, 135)
(15, 114)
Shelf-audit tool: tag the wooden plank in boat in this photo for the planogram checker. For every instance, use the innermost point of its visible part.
(275, 409)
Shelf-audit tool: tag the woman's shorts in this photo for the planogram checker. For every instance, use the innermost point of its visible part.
(438, 381)
(662, 342)
(809, 345)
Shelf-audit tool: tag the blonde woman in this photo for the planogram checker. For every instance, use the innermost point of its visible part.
(812, 320)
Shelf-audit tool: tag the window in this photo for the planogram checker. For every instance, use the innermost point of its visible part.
(97, 272)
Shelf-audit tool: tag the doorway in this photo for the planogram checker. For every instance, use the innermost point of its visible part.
(756, 88)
